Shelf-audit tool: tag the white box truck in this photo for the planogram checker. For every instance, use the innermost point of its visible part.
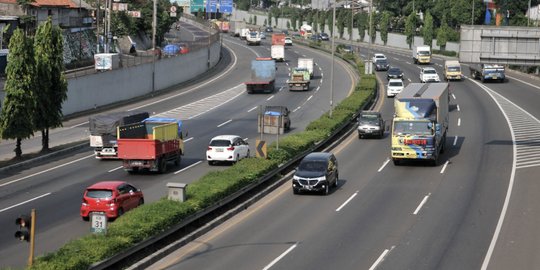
(421, 54)
(306, 63)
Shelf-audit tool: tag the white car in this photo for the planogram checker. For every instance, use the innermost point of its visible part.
(230, 148)
(394, 87)
(288, 41)
(378, 56)
(429, 74)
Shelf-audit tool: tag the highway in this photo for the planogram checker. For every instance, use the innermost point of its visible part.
(476, 210)
(217, 104)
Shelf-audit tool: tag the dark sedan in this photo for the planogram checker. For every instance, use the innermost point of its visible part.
(324, 36)
(394, 73)
(381, 65)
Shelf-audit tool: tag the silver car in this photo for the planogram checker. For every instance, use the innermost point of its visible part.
(370, 123)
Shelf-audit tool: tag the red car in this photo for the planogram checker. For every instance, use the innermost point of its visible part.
(113, 198)
(183, 48)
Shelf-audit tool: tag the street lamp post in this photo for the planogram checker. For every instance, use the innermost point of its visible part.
(472, 14)
(369, 65)
(154, 26)
(333, 52)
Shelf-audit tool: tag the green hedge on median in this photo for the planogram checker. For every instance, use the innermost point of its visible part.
(154, 218)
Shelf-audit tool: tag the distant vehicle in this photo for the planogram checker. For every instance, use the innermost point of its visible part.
(316, 37)
(306, 63)
(370, 123)
(263, 75)
(381, 64)
(394, 87)
(394, 73)
(286, 32)
(378, 56)
(231, 148)
(452, 70)
(316, 173)
(171, 49)
(253, 38)
(235, 28)
(244, 32)
(487, 72)
(262, 35)
(269, 29)
(347, 49)
(421, 54)
(324, 36)
(306, 31)
(113, 198)
(299, 79)
(429, 74)
(274, 120)
(184, 48)
(288, 41)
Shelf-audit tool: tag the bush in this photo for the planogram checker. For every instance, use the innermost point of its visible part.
(446, 53)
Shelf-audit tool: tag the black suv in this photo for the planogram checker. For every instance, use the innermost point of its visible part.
(316, 173)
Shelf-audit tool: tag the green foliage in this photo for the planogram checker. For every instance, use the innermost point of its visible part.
(442, 34)
(250, 21)
(410, 28)
(385, 21)
(446, 53)
(372, 31)
(122, 24)
(255, 20)
(16, 117)
(367, 83)
(266, 22)
(427, 30)
(289, 24)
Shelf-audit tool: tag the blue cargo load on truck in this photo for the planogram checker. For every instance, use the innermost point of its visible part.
(263, 76)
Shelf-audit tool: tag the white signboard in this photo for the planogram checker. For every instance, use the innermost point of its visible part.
(99, 222)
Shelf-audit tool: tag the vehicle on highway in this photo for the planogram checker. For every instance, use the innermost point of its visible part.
(263, 75)
(487, 72)
(288, 41)
(452, 70)
(347, 49)
(421, 54)
(171, 49)
(378, 56)
(231, 148)
(269, 29)
(262, 35)
(324, 36)
(429, 74)
(300, 79)
(113, 198)
(184, 48)
(253, 38)
(316, 37)
(394, 73)
(370, 123)
(316, 173)
(381, 65)
(274, 120)
(394, 87)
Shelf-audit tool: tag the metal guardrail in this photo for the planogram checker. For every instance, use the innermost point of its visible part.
(336, 136)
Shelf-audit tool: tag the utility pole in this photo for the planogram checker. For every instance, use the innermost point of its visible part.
(369, 66)
(109, 36)
(472, 14)
(333, 52)
(154, 25)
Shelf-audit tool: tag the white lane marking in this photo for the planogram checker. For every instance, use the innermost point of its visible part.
(384, 164)
(303, 55)
(289, 74)
(529, 84)
(455, 140)
(190, 166)
(281, 88)
(309, 97)
(459, 122)
(47, 170)
(453, 96)
(117, 168)
(322, 75)
(188, 139)
(381, 258)
(250, 110)
(347, 201)
(224, 123)
(297, 108)
(318, 88)
(287, 64)
(271, 97)
(202, 102)
(458, 108)
(409, 79)
(245, 139)
(421, 204)
(27, 201)
(408, 63)
(395, 58)
(444, 167)
(280, 256)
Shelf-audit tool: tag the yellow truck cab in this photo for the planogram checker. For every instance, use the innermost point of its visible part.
(452, 70)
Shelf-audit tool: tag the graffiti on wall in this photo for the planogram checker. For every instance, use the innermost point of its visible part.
(79, 46)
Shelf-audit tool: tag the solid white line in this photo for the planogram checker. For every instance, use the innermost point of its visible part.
(529, 84)
(188, 139)
(281, 88)
(309, 97)
(421, 204)
(347, 201)
(289, 74)
(112, 170)
(384, 164)
(224, 123)
(190, 166)
(280, 257)
(453, 96)
(459, 122)
(458, 107)
(250, 110)
(321, 75)
(47, 170)
(408, 63)
(27, 201)
(380, 259)
(297, 108)
(455, 140)
(271, 97)
(444, 167)
(409, 79)
(318, 88)
(286, 63)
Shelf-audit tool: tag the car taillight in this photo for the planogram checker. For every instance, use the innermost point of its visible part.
(209, 148)
(112, 202)
(84, 201)
(230, 148)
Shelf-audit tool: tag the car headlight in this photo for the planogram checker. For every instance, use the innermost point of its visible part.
(295, 177)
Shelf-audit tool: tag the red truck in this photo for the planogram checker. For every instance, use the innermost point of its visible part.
(150, 144)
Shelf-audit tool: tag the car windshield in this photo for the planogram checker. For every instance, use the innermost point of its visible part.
(394, 71)
(381, 62)
(99, 193)
(253, 34)
(312, 166)
(412, 128)
(380, 57)
(395, 84)
(222, 143)
(454, 68)
(423, 53)
(430, 71)
(368, 119)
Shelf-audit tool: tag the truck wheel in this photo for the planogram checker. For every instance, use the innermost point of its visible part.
(178, 159)
(396, 161)
(162, 165)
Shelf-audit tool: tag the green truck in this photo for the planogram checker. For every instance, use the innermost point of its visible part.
(299, 79)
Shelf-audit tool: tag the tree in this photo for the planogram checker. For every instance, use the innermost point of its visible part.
(51, 91)
(361, 22)
(330, 22)
(410, 28)
(322, 20)
(26, 20)
(427, 30)
(385, 21)
(442, 34)
(372, 31)
(18, 108)
(340, 22)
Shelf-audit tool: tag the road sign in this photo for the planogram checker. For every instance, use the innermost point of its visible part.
(99, 222)
(260, 148)
(173, 14)
(173, 9)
